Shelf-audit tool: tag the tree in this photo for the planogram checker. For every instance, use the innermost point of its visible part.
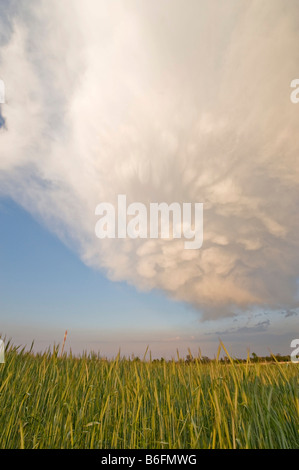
(255, 357)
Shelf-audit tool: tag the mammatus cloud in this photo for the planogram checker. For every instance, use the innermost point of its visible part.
(161, 101)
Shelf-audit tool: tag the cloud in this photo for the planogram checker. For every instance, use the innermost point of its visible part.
(258, 328)
(291, 313)
(163, 102)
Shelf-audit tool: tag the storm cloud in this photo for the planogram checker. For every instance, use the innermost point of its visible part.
(164, 102)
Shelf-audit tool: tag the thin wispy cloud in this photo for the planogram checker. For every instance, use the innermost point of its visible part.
(258, 328)
(161, 101)
(291, 313)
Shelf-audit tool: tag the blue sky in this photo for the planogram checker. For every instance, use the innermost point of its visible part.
(46, 289)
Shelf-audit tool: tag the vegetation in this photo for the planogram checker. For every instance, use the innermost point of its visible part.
(60, 401)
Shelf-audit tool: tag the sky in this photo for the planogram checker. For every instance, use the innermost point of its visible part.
(162, 102)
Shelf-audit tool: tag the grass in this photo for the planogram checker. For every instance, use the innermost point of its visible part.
(48, 401)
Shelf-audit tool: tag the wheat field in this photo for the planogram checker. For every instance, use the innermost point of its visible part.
(54, 401)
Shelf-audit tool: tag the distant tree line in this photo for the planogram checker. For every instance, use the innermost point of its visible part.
(224, 360)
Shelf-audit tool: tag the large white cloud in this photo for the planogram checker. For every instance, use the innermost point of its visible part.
(161, 101)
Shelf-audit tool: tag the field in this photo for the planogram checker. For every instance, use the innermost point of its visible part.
(48, 401)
